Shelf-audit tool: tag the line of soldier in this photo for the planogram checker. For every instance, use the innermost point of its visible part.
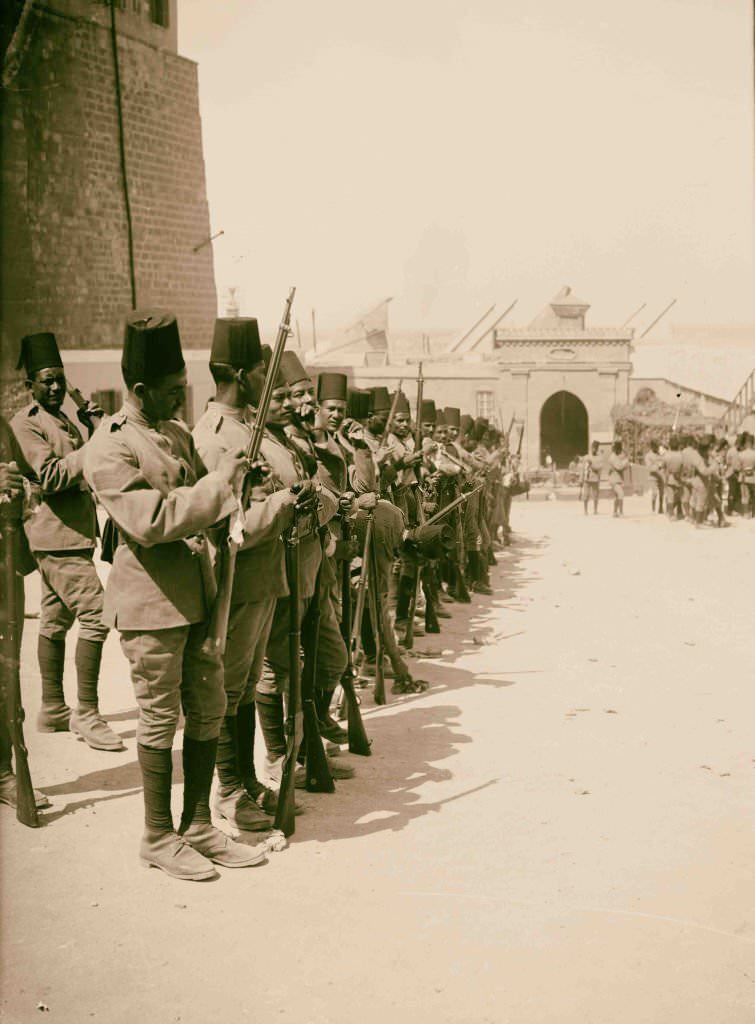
(329, 455)
(694, 478)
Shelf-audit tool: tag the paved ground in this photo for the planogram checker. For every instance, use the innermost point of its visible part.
(561, 830)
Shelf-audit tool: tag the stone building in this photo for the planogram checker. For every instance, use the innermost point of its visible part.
(563, 378)
(104, 204)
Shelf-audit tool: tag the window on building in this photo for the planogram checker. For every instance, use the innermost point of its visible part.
(158, 12)
(485, 406)
(109, 401)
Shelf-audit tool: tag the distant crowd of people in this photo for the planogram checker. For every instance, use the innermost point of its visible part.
(693, 478)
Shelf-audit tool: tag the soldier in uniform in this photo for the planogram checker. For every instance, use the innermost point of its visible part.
(61, 535)
(144, 469)
(237, 367)
(294, 465)
(672, 470)
(654, 464)
(618, 464)
(331, 649)
(592, 467)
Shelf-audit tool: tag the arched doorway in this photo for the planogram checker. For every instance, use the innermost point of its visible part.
(563, 428)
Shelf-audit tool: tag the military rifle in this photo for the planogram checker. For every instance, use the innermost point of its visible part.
(26, 806)
(358, 740)
(285, 810)
(459, 500)
(84, 412)
(227, 551)
(377, 627)
(409, 632)
(318, 777)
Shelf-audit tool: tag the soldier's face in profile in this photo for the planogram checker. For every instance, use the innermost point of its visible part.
(452, 433)
(49, 387)
(401, 424)
(427, 428)
(279, 413)
(330, 414)
(162, 398)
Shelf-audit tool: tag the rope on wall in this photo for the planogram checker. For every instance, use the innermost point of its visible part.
(122, 150)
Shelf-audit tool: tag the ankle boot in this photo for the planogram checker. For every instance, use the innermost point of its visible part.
(160, 846)
(196, 827)
(232, 801)
(86, 721)
(54, 715)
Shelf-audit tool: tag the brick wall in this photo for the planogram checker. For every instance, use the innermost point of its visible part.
(64, 253)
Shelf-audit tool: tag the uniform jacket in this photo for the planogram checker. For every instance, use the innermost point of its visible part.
(154, 486)
(260, 564)
(65, 520)
(617, 467)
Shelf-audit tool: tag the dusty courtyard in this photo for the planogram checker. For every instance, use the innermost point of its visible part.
(561, 830)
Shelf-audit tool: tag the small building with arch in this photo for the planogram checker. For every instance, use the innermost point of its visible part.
(561, 379)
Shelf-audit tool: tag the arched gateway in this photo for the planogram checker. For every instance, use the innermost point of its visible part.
(564, 428)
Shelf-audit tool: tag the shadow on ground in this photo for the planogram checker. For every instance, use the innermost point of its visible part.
(383, 796)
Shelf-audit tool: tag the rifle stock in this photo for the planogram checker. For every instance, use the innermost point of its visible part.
(26, 806)
(228, 549)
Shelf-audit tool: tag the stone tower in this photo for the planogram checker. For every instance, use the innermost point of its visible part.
(103, 202)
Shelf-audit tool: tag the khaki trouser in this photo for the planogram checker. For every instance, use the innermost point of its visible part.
(170, 671)
(249, 628)
(71, 589)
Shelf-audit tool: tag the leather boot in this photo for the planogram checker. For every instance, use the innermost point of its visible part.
(160, 846)
(232, 801)
(86, 721)
(196, 827)
(87, 724)
(54, 715)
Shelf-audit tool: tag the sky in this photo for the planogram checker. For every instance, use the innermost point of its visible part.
(453, 154)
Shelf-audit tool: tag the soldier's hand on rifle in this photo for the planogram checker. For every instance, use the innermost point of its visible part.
(345, 503)
(259, 471)
(367, 502)
(306, 494)
(11, 480)
(232, 465)
(412, 460)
